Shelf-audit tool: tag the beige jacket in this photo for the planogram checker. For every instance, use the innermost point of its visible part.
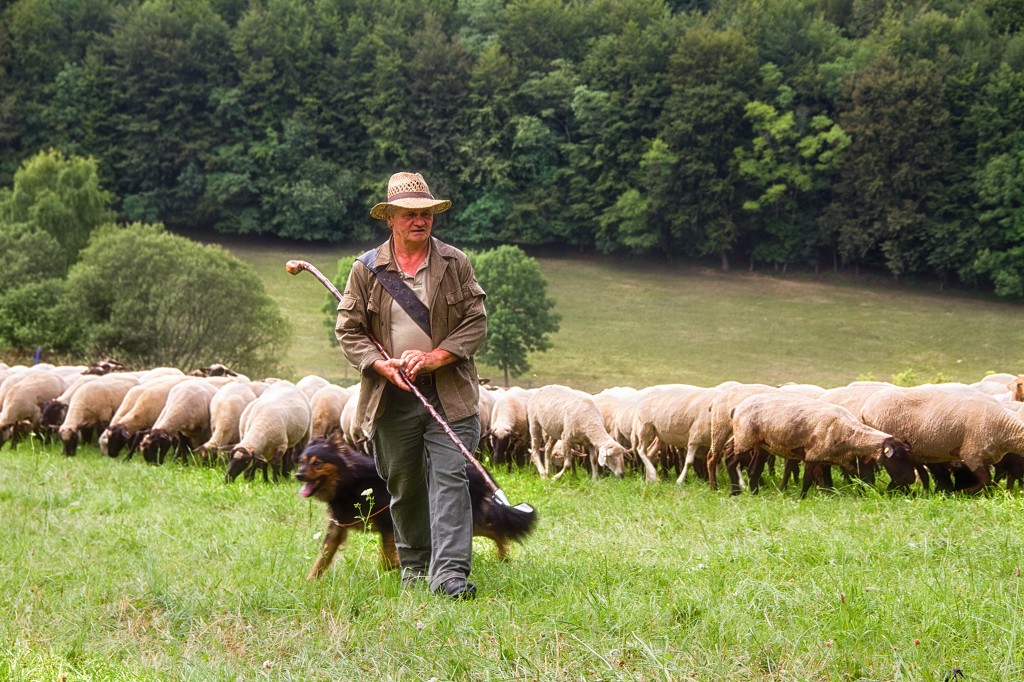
(458, 324)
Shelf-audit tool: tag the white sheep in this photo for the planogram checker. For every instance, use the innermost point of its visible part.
(54, 411)
(91, 407)
(510, 427)
(225, 413)
(184, 421)
(662, 417)
(137, 413)
(310, 384)
(273, 428)
(24, 397)
(797, 427)
(489, 395)
(327, 404)
(808, 390)
(561, 413)
(940, 427)
(351, 428)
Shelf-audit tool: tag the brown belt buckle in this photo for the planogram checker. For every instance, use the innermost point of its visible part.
(424, 380)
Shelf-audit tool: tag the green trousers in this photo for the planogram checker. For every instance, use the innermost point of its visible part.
(426, 477)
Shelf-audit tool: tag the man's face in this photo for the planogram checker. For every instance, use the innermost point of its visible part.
(411, 226)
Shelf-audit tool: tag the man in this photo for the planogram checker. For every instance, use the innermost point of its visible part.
(434, 346)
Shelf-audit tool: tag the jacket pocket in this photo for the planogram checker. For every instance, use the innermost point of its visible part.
(347, 303)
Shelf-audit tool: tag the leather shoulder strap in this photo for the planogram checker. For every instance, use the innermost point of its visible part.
(400, 291)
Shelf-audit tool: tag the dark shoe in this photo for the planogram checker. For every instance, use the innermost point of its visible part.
(457, 588)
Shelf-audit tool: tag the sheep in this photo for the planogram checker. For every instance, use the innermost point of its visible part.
(24, 398)
(561, 413)
(720, 416)
(940, 426)
(326, 405)
(184, 421)
(662, 417)
(852, 397)
(92, 406)
(138, 411)
(699, 440)
(273, 428)
(351, 429)
(488, 397)
(54, 411)
(510, 427)
(809, 390)
(159, 372)
(310, 384)
(797, 427)
(225, 412)
(1016, 388)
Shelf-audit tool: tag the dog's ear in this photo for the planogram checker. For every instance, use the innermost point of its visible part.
(336, 440)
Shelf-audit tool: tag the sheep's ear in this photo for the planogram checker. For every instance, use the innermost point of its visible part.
(602, 457)
(887, 451)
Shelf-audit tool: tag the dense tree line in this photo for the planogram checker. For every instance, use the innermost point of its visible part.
(782, 133)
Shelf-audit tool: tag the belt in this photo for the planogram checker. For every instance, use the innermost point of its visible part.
(424, 380)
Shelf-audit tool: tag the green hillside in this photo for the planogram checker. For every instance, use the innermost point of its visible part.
(639, 323)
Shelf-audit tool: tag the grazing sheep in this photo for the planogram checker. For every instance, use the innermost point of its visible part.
(274, 428)
(797, 427)
(225, 413)
(138, 412)
(940, 426)
(662, 417)
(24, 396)
(561, 413)
(720, 415)
(184, 421)
(54, 411)
(327, 403)
(510, 427)
(91, 407)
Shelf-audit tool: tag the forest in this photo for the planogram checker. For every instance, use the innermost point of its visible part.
(761, 134)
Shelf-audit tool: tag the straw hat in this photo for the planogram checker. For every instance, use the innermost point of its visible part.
(409, 190)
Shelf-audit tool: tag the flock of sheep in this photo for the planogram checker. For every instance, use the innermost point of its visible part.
(962, 436)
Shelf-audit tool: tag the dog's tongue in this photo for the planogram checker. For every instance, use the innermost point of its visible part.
(307, 489)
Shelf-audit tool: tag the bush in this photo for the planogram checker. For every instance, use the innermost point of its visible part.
(151, 298)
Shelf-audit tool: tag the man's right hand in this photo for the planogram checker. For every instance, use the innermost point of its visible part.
(391, 370)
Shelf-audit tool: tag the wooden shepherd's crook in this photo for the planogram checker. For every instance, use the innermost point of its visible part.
(294, 267)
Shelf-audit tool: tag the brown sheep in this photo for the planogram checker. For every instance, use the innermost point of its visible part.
(941, 427)
(797, 427)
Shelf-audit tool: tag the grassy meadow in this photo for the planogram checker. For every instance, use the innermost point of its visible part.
(120, 570)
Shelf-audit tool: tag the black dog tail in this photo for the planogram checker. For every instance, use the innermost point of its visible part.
(510, 522)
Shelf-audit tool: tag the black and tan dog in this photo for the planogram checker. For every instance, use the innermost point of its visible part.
(339, 475)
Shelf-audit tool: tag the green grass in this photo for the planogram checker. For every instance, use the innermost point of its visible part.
(126, 571)
(639, 323)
